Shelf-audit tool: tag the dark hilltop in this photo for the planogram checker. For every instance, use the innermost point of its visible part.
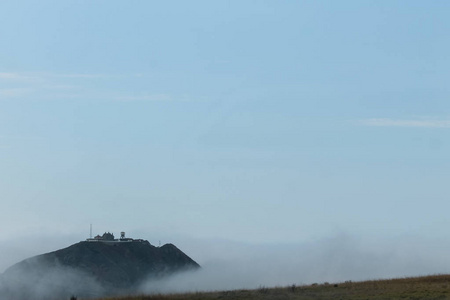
(100, 266)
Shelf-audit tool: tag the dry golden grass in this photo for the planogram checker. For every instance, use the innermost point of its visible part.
(429, 287)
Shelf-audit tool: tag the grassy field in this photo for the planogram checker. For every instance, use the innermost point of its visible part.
(429, 287)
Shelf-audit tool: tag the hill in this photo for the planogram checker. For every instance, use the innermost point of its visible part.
(423, 288)
(92, 269)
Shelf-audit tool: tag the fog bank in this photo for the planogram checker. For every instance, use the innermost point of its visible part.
(235, 265)
(232, 265)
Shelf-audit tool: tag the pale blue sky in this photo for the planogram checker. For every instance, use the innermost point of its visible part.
(259, 121)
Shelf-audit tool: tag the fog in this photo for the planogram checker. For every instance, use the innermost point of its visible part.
(34, 280)
(235, 265)
(18, 248)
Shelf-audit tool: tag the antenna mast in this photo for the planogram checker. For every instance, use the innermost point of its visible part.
(90, 233)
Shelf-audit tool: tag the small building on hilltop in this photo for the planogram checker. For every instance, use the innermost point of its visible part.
(108, 237)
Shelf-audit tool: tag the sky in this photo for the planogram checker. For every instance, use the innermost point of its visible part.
(204, 123)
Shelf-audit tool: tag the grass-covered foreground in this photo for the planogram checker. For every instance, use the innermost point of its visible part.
(429, 287)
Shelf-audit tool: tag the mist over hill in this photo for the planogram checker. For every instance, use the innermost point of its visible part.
(92, 269)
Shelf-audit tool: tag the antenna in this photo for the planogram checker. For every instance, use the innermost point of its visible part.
(90, 233)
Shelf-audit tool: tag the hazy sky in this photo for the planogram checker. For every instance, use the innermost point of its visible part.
(251, 121)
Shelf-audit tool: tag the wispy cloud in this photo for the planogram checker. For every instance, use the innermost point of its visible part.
(15, 92)
(421, 123)
(15, 76)
(9, 75)
(80, 86)
(21, 76)
(156, 97)
(85, 76)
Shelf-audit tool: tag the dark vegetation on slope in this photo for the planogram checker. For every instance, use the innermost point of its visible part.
(92, 269)
(429, 287)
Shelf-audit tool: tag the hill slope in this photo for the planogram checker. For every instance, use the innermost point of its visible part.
(423, 288)
(93, 269)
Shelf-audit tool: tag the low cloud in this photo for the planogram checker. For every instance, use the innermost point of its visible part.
(336, 259)
(423, 123)
(33, 280)
(228, 265)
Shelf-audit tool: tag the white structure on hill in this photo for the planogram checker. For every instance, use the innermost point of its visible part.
(108, 237)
